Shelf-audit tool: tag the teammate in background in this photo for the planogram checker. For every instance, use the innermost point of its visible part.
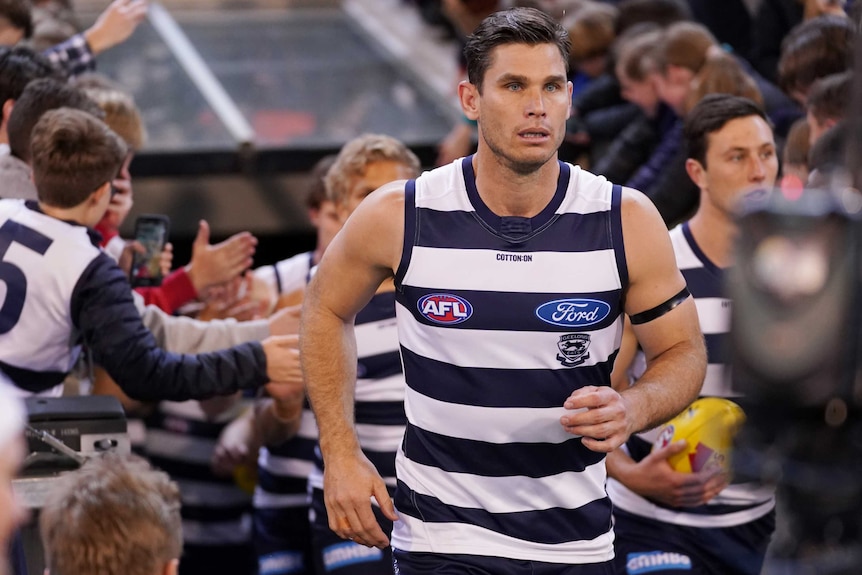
(61, 290)
(661, 515)
(116, 515)
(282, 448)
(282, 531)
(363, 164)
(506, 346)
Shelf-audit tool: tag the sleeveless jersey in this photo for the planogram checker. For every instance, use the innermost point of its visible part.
(738, 503)
(287, 275)
(36, 351)
(379, 397)
(500, 320)
(180, 440)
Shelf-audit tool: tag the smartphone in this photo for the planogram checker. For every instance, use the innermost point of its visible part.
(151, 231)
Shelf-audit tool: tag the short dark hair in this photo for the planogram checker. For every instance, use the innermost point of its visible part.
(816, 48)
(710, 115)
(19, 14)
(38, 97)
(74, 153)
(19, 66)
(829, 97)
(515, 26)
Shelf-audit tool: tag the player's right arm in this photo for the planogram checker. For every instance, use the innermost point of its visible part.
(363, 254)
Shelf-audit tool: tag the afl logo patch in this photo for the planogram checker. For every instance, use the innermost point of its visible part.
(573, 312)
(445, 308)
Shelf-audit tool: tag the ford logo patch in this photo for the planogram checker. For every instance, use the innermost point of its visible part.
(573, 312)
(445, 308)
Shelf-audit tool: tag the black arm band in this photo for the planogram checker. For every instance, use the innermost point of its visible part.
(661, 308)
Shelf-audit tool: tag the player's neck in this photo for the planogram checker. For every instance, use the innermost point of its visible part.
(80, 214)
(510, 193)
(715, 234)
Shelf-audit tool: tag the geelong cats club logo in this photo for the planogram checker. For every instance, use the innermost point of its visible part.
(573, 349)
(445, 308)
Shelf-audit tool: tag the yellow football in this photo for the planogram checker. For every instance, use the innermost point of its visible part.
(709, 425)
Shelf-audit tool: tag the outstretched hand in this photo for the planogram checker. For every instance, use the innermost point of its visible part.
(282, 361)
(116, 24)
(286, 386)
(213, 265)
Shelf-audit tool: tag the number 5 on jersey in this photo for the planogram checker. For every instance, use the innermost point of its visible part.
(11, 275)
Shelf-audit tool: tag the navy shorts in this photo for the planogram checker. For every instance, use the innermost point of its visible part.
(282, 541)
(411, 563)
(332, 554)
(644, 546)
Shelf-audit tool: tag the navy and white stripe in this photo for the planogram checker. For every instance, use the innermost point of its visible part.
(485, 467)
(379, 397)
(180, 440)
(738, 503)
(283, 470)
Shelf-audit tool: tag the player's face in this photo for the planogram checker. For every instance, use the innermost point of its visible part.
(378, 173)
(11, 511)
(740, 158)
(523, 106)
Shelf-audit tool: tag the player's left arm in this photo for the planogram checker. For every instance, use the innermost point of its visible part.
(665, 323)
(664, 319)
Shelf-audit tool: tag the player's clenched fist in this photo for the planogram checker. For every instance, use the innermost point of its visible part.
(599, 416)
